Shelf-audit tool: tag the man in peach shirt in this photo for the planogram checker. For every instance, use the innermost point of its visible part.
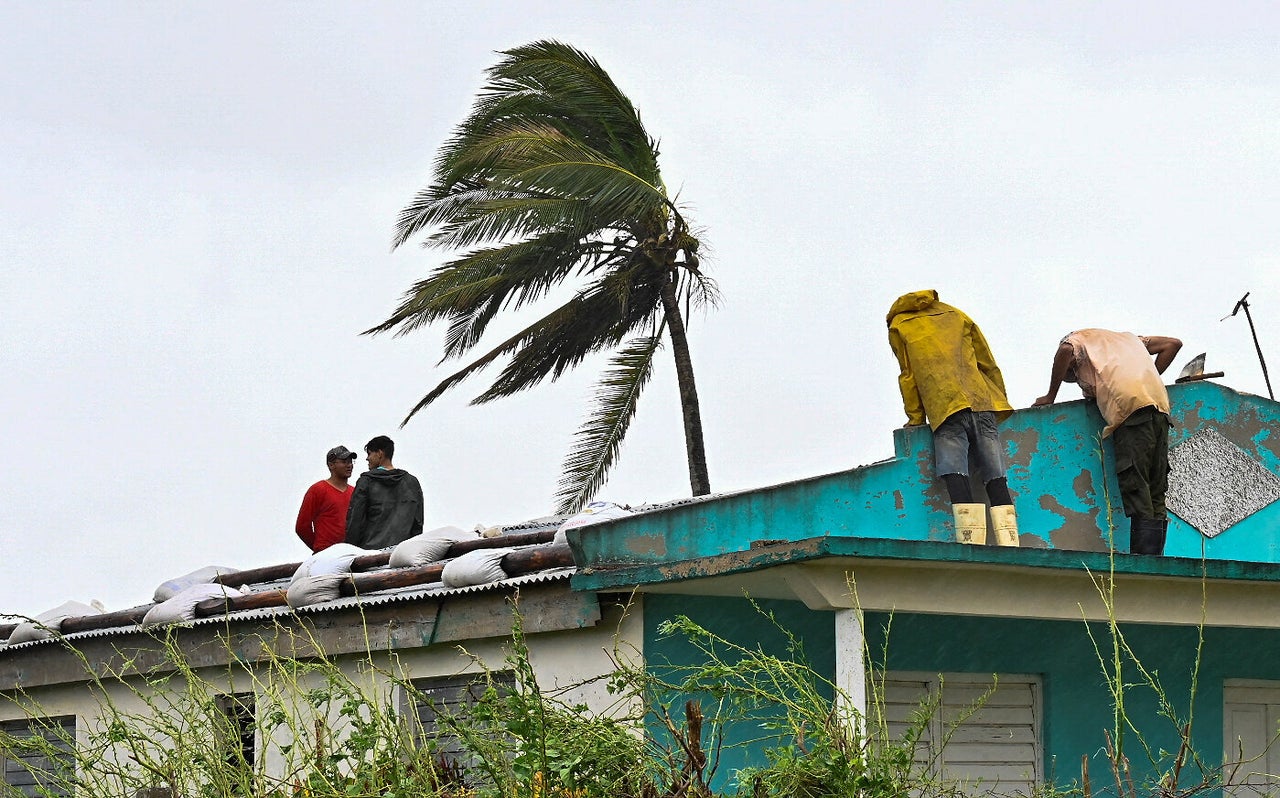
(1115, 369)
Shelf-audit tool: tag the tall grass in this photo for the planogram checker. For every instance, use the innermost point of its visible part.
(325, 727)
(1182, 772)
(323, 730)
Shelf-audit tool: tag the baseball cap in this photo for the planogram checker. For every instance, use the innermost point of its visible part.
(339, 453)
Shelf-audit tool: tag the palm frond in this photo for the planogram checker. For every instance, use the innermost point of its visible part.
(551, 345)
(592, 322)
(430, 206)
(598, 440)
(505, 276)
(569, 84)
(507, 220)
(480, 363)
(699, 290)
(605, 184)
(531, 184)
(559, 88)
(519, 141)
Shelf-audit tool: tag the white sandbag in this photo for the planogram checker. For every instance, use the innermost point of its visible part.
(182, 606)
(314, 589)
(334, 560)
(49, 623)
(201, 576)
(428, 547)
(593, 513)
(479, 567)
(319, 577)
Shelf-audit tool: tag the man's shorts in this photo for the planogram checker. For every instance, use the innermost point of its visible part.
(961, 431)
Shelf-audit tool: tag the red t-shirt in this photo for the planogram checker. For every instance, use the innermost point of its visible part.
(322, 519)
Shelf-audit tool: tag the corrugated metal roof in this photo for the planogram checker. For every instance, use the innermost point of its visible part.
(393, 596)
(413, 593)
(435, 589)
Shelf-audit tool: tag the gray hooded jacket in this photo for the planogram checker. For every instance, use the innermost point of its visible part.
(386, 508)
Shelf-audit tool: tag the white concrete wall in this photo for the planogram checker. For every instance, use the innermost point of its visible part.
(563, 659)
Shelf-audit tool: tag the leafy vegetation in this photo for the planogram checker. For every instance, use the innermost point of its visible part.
(294, 727)
(322, 732)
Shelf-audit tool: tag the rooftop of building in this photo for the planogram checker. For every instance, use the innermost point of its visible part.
(1225, 523)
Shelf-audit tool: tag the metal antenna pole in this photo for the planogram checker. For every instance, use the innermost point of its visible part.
(1244, 303)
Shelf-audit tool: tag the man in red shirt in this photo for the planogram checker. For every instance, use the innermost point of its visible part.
(322, 519)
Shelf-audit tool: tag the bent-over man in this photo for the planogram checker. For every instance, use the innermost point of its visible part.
(950, 379)
(1116, 370)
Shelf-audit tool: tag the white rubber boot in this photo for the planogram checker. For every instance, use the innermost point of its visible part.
(971, 523)
(1004, 523)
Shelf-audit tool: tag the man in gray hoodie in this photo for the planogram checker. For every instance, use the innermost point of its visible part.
(386, 507)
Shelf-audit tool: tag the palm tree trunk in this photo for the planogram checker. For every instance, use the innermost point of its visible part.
(698, 479)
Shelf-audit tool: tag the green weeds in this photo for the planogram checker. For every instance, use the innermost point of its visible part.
(317, 727)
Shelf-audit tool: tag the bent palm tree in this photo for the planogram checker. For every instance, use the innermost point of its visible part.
(552, 177)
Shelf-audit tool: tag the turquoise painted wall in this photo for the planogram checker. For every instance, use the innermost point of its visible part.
(1077, 706)
(739, 621)
(1060, 471)
(1252, 423)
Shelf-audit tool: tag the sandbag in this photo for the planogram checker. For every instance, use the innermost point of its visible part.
(314, 589)
(49, 623)
(593, 513)
(201, 576)
(182, 606)
(428, 547)
(319, 577)
(479, 567)
(334, 560)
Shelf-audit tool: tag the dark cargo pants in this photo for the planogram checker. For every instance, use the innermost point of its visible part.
(1142, 462)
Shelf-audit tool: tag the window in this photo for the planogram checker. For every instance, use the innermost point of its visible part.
(38, 755)
(1251, 716)
(995, 747)
(239, 734)
(447, 695)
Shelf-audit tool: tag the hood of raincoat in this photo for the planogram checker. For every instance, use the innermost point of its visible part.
(909, 303)
(389, 476)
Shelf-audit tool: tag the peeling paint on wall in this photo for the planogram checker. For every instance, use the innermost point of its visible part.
(1078, 531)
(1061, 474)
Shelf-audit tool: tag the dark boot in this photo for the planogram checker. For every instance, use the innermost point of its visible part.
(1146, 535)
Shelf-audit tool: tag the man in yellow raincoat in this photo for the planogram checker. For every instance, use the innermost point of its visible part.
(950, 380)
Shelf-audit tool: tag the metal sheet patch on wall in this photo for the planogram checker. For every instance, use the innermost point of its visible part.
(1214, 484)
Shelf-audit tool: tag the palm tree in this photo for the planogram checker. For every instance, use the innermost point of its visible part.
(552, 179)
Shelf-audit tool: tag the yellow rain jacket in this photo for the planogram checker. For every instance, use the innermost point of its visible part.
(946, 363)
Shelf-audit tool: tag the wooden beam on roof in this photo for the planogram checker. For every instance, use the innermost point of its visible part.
(106, 620)
(387, 580)
(378, 559)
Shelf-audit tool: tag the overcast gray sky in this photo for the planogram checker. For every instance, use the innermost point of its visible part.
(196, 204)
